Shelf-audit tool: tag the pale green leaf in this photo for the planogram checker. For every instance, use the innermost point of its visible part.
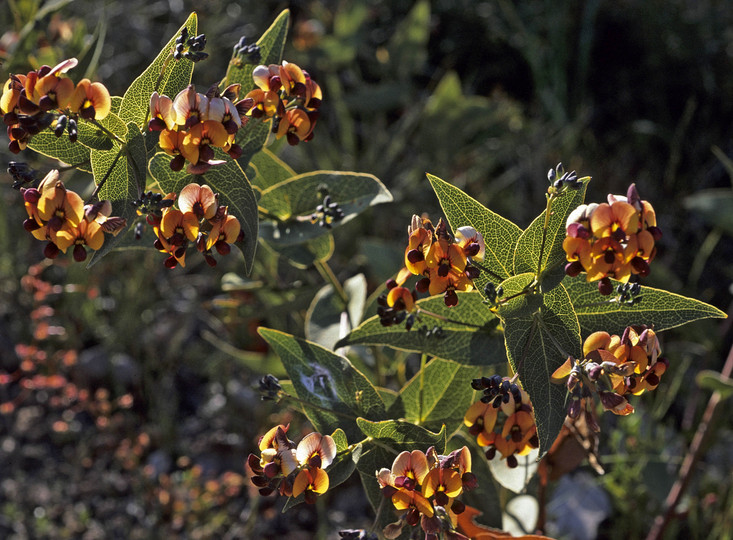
(658, 308)
(712, 380)
(537, 343)
(335, 392)
(330, 318)
(293, 201)
(164, 75)
(123, 171)
(715, 206)
(304, 255)
(95, 138)
(500, 234)
(229, 181)
(76, 154)
(468, 336)
(269, 169)
(531, 245)
(437, 396)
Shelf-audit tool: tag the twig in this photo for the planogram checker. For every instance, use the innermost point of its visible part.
(693, 455)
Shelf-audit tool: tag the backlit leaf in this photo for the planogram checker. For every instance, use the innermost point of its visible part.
(500, 234)
(438, 396)
(537, 344)
(469, 336)
(164, 75)
(658, 308)
(123, 171)
(530, 245)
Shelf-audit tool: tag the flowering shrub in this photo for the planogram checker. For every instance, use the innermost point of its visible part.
(192, 170)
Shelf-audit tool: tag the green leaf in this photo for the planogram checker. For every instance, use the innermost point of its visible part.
(337, 392)
(500, 234)
(304, 255)
(385, 440)
(470, 336)
(76, 154)
(271, 44)
(530, 245)
(658, 308)
(123, 171)
(252, 136)
(437, 396)
(715, 206)
(96, 139)
(229, 181)
(269, 169)
(523, 301)
(537, 344)
(165, 75)
(712, 380)
(330, 318)
(293, 201)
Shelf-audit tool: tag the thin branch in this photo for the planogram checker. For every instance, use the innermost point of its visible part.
(694, 453)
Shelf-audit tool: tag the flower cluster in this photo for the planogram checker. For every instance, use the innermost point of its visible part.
(33, 102)
(289, 469)
(287, 95)
(425, 485)
(502, 420)
(443, 261)
(199, 219)
(59, 216)
(613, 367)
(611, 240)
(191, 125)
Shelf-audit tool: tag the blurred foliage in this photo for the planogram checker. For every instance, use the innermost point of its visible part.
(485, 93)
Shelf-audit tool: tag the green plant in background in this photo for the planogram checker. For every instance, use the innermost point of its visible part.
(499, 296)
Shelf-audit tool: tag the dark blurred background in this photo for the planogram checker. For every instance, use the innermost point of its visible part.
(146, 432)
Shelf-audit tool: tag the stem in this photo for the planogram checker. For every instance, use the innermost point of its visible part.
(484, 269)
(550, 200)
(552, 338)
(693, 455)
(106, 175)
(423, 361)
(105, 130)
(329, 276)
(446, 319)
(379, 514)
